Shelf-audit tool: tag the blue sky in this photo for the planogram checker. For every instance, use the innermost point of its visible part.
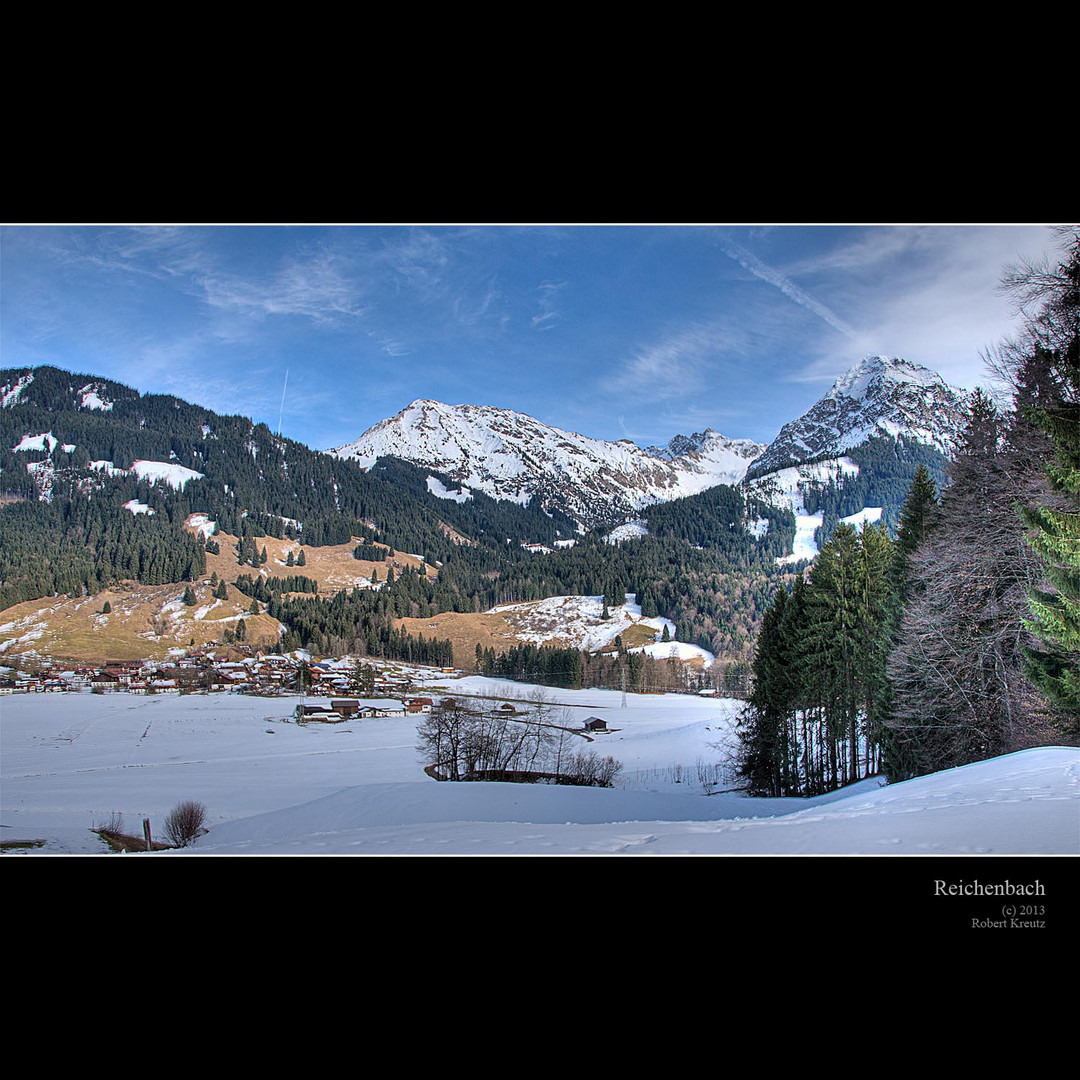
(639, 332)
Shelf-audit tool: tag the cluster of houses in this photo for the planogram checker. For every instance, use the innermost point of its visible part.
(338, 710)
(202, 671)
(132, 678)
(259, 673)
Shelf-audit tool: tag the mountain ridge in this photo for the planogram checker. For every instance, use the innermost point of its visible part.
(512, 455)
(880, 395)
(97, 481)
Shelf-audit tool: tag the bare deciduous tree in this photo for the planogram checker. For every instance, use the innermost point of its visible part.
(114, 823)
(957, 669)
(487, 741)
(185, 822)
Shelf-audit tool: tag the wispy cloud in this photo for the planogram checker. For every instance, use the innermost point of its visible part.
(868, 250)
(480, 304)
(155, 252)
(549, 315)
(418, 258)
(749, 261)
(388, 344)
(316, 284)
(316, 287)
(677, 365)
(929, 294)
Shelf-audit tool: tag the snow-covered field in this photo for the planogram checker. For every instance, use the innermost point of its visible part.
(272, 787)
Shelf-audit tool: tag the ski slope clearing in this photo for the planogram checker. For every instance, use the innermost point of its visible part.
(273, 787)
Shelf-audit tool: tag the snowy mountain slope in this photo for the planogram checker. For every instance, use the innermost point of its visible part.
(54, 387)
(880, 395)
(888, 413)
(510, 455)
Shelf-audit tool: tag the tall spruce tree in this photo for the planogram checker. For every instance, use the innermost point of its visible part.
(834, 627)
(764, 758)
(916, 521)
(1052, 404)
(1055, 536)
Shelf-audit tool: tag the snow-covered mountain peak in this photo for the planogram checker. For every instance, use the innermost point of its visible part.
(511, 455)
(879, 396)
(689, 444)
(875, 374)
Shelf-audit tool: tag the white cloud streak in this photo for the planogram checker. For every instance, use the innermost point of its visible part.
(549, 315)
(316, 288)
(774, 277)
(677, 365)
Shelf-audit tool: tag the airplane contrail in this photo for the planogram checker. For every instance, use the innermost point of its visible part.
(282, 409)
(769, 274)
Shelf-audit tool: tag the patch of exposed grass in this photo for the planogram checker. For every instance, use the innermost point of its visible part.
(119, 841)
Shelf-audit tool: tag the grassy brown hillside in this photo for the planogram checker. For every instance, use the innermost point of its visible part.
(145, 622)
(334, 568)
(535, 622)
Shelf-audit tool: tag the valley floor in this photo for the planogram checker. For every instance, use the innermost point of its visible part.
(272, 787)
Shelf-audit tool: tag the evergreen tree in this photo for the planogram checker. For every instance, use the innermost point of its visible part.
(362, 680)
(1055, 535)
(767, 758)
(1052, 405)
(917, 512)
(835, 624)
(189, 597)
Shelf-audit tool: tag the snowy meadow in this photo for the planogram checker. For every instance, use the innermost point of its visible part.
(273, 787)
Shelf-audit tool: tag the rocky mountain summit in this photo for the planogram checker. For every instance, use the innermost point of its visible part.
(510, 455)
(879, 396)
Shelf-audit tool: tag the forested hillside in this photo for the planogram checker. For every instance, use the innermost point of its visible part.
(98, 481)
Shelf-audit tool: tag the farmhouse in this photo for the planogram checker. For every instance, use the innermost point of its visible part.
(317, 713)
(382, 707)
